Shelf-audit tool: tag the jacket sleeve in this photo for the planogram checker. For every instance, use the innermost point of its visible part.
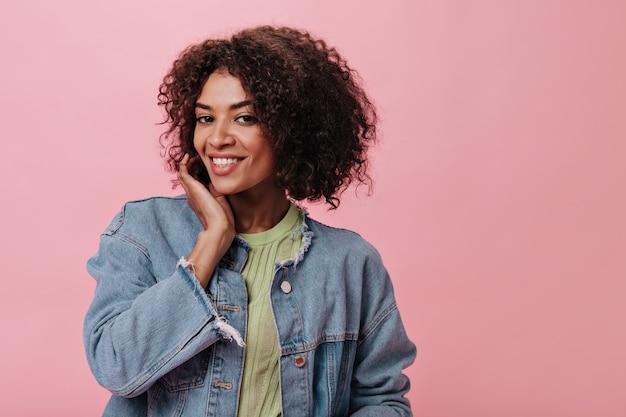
(137, 329)
(384, 350)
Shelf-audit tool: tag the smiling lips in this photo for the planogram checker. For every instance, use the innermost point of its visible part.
(224, 166)
(222, 162)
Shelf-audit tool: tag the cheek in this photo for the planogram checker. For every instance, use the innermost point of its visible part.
(197, 144)
(269, 160)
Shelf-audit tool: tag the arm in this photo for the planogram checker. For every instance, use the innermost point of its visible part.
(384, 350)
(136, 330)
(216, 216)
(378, 384)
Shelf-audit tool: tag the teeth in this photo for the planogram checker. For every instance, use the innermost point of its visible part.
(224, 161)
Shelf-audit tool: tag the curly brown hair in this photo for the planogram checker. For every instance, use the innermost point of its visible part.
(311, 105)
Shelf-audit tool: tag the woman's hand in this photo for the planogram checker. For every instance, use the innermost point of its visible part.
(216, 216)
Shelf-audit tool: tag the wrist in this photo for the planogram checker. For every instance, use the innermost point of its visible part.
(206, 254)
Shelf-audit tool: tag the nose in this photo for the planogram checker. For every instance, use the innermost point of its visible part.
(222, 135)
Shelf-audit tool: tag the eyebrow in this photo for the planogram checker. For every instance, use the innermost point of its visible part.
(232, 106)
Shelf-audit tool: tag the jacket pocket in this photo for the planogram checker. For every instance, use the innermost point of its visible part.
(164, 403)
(190, 374)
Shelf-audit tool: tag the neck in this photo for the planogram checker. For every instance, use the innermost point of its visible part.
(255, 214)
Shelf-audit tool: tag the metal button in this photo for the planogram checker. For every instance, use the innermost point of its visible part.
(299, 361)
(285, 286)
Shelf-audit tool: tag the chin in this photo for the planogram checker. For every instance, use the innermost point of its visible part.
(224, 189)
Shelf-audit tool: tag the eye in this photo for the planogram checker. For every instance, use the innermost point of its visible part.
(247, 119)
(204, 119)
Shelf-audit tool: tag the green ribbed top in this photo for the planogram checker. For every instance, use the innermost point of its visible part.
(260, 390)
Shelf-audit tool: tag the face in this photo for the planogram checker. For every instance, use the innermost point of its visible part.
(229, 140)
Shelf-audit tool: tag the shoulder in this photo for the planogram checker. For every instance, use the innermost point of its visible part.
(341, 241)
(151, 214)
(350, 263)
(155, 230)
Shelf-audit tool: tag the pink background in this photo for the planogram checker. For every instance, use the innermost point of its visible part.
(499, 203)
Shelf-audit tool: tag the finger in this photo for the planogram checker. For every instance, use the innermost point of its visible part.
(205, 200)
(214, 192)
(188, 182)
(182, 166)
(182, 170)
(223, 202)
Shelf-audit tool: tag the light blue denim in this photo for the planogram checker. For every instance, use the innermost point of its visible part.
(156, 339)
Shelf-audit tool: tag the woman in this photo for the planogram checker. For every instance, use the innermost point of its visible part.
(230, 300)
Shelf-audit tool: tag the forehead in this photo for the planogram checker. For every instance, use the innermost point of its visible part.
(221, 86)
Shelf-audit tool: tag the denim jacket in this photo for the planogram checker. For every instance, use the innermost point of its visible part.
(165, 346)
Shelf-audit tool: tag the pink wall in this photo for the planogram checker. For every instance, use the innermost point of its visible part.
(499, 202)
